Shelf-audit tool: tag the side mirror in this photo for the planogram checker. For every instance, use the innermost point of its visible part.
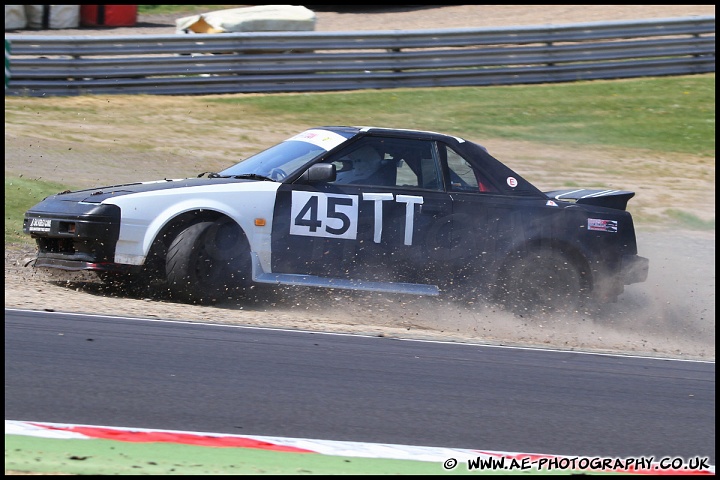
(319, 173)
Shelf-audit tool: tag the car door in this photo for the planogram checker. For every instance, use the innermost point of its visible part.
(377, 221)
(486, 219)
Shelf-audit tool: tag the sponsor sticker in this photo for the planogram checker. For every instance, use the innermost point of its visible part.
(512, 181)
(322, 138)
(39, 225)
(600, 225)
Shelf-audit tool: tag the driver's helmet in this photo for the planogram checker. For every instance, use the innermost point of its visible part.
(359, 165)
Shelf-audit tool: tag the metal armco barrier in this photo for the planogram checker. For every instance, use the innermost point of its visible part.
(270, 62)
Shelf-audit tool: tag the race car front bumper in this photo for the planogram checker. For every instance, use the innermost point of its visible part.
(82, 238)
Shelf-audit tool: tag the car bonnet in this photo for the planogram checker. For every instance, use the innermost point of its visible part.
(98, 194)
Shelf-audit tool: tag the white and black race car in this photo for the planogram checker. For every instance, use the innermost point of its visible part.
(359, 208)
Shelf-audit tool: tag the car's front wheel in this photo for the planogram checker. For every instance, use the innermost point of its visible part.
(208, 261)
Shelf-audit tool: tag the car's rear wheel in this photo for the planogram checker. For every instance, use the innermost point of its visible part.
(208, 261)
(540, 281)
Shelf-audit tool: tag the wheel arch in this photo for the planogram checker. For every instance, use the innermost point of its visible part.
(172, 227)
(161, 239)
(569, 251)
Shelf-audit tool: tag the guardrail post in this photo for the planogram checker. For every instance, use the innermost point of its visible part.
(550, 64)
(7, 62)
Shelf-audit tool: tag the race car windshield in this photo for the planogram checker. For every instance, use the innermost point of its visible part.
(288, 156)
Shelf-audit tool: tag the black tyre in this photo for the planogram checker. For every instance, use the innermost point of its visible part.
(541, 281)
(208, 261)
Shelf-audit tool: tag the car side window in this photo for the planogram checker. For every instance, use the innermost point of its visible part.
(464, 177)
(365, 164)
(420, 170)
(389, 162)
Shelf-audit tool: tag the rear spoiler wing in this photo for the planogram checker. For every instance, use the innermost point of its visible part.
(616, 199)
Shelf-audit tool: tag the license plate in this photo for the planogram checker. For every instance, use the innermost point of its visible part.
(40, 225)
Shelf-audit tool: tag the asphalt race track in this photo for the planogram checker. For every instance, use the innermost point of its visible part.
(138, 373)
